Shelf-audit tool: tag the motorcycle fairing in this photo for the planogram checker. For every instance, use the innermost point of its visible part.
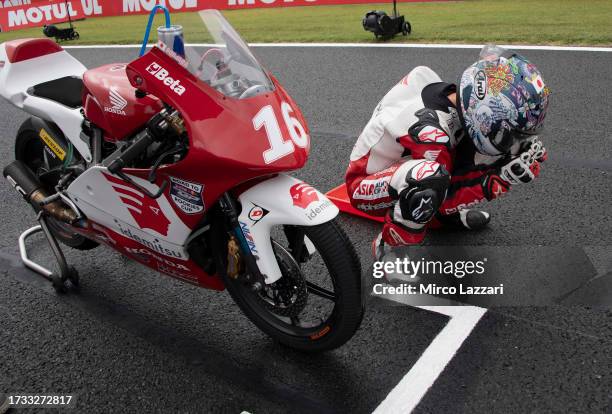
(30, 62)
(225, 148)
(185, 270)
(145, 229)
(108, 200)
(110, 102)
(282, 200)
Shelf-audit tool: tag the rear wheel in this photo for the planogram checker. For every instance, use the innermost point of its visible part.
(29, 149)
(317, 304)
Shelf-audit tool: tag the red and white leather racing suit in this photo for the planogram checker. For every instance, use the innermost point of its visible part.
(411, 162)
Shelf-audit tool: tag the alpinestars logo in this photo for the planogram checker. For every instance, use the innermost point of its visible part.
(160, 73)
(117, 101)
(432, 134)
(425, 208)
(424, 170)
(145, 210)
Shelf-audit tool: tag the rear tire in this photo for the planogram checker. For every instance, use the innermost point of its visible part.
(29, 150)
(342, 263)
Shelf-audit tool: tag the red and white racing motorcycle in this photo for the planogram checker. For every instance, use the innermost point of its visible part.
(176, 160)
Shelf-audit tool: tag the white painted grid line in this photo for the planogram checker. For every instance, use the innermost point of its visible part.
(377, 45)
(414, 385)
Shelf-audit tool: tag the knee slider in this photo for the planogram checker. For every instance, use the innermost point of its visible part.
(426, 186)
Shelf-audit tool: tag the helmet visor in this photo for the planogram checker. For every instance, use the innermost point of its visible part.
(506, 138)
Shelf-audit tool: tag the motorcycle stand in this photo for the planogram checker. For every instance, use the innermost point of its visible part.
(66, 272)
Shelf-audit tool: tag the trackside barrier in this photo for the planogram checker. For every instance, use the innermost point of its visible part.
(20, 14)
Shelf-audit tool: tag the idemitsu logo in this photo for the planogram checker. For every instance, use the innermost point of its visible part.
(160, 73)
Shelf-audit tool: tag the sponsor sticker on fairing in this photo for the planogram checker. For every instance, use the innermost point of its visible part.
(256, 213)
(302, 195)
(250, 241)
(178, 58)
(118, 102)
(187, 195)
(52, 147)
(163, 76)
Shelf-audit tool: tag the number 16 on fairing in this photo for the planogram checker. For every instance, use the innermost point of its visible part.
(279, 146)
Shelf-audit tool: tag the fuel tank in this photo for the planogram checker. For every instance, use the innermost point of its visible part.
(111, 102)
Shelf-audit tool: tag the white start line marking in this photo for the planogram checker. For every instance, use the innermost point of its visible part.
(375, 45)
(414, 385)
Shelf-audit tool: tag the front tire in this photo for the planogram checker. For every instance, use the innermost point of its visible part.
(340, 260)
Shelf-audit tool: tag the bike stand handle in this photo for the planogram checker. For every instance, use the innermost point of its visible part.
(66, 272)
(23, 251)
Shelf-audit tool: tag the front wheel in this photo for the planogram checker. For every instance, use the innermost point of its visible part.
(317, 304)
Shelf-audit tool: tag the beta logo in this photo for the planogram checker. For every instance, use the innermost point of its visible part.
(161, 73)
(302, 195)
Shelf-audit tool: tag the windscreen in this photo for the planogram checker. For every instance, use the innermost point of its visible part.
(217, 55)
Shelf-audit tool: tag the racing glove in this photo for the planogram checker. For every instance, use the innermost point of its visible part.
(522, 169)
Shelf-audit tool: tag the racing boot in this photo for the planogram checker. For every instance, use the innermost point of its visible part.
(394, 234)
(383, 250)
(468, 219)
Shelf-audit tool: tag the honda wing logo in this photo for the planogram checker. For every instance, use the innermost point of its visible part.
(118, 102)
(162, 74)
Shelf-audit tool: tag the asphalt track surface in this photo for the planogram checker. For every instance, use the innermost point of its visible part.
(135, 341)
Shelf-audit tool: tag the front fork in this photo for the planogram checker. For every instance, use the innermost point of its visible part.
(230, 211)
(295, 237)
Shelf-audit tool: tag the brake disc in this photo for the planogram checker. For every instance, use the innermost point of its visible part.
(287, 296)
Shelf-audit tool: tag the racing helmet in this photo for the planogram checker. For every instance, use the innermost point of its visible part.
(502, 100)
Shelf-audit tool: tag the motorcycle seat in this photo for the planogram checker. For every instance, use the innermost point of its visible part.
(67, 90)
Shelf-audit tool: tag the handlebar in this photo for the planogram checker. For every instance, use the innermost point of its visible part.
(138, 146)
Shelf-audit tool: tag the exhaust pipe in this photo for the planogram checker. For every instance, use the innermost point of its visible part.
(28, 185)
